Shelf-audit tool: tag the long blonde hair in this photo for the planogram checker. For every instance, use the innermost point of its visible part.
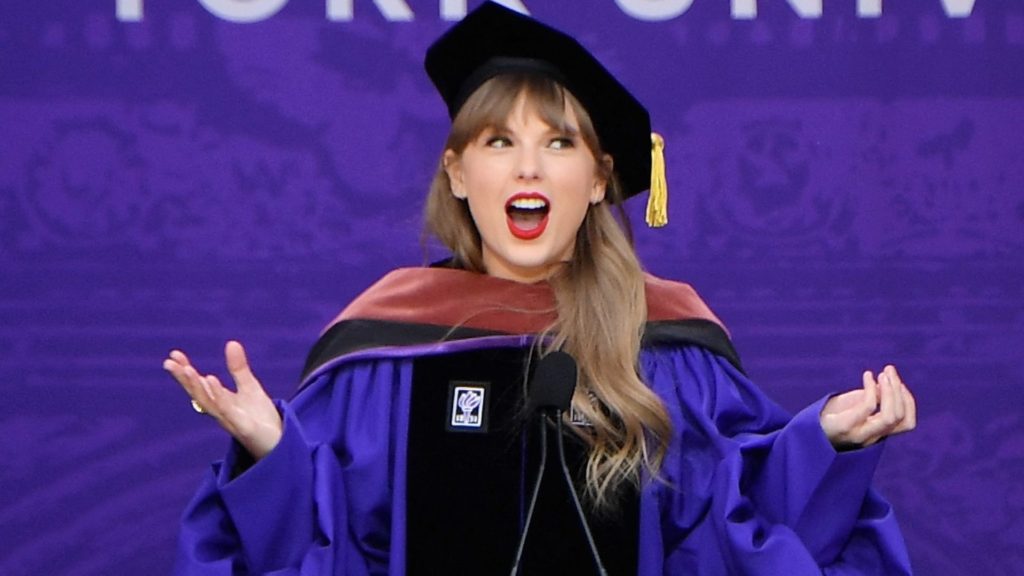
(599, 294)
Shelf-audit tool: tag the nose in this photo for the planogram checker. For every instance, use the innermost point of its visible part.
(528, 163)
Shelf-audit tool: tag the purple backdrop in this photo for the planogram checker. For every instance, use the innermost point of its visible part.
(846, 190)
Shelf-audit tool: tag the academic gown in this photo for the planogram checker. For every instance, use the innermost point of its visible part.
(743, 489)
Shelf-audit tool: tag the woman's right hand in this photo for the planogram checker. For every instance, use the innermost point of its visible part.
(248, 414)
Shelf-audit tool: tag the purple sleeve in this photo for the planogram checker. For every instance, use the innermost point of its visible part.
(323, 501)
(750, 490)
(262, 520)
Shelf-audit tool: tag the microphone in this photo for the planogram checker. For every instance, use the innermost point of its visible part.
(554, 382)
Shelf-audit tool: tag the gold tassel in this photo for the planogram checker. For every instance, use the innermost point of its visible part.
(657, 200)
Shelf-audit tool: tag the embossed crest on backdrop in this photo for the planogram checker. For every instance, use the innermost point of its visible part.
(218, 144)
(853, 177)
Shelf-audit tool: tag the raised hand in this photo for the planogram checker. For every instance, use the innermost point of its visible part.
(248, 414)
(862, 417)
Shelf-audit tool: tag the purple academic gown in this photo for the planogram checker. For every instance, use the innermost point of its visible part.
(744, 488)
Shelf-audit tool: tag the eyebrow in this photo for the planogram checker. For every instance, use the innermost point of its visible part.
(495, 127)
(568, 130)
(503, 128)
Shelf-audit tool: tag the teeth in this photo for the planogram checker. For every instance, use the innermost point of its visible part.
(528, 203)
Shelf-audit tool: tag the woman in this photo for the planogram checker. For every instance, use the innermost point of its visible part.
(685, 465)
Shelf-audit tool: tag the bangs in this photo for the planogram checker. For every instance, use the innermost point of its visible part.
(491, 105)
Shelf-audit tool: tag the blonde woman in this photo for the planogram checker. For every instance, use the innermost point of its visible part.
(407, 448)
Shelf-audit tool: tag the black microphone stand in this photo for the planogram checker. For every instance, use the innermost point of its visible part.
(575, 499)
(557, 415)
(533, 497)
(551, 393)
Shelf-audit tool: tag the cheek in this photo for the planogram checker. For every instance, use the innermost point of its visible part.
(482, 178)
(578, 218)
(587, 190)
(487, 213)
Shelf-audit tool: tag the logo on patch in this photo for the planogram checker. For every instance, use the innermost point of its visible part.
(577, 417)
(468, 407)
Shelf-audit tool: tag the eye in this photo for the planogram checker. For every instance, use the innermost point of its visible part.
(562, 143)
(498, 141)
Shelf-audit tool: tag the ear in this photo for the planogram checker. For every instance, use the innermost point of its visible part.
(453, 167)
(601, 180)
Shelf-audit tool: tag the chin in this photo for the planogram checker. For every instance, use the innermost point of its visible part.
(526, 267)
(536, 258)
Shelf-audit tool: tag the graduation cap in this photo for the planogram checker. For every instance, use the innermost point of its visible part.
(493, 40)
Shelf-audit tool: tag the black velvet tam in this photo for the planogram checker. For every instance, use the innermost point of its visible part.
(493, 40)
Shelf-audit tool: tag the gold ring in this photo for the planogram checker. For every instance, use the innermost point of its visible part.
(197, 407)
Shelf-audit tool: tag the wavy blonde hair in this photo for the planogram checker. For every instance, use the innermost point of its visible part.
(599, 294)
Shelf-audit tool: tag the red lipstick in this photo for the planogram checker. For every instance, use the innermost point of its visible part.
(527, 214)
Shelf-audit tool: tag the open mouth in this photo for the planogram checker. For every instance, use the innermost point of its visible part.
(527, 215)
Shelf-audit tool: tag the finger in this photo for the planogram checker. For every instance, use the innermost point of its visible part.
(893, 373)
(869, 404)
(843, 416)
(846, 425)
(233, 413)
(886, 421)
(177, 371)
(179, 357)
(910, 419)
(869, 432)
(909, 406)
(895, 398)
(886, 415)
(216, 396)
(188, 378)
(238, 366)
(179, 360)
(170, 366)
(866, 428)
(201, 400)
(196, 385)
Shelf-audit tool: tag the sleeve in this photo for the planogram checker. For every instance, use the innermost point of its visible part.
(749, 490)
(321, 502)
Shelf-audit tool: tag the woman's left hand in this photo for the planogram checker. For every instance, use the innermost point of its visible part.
(862, 417)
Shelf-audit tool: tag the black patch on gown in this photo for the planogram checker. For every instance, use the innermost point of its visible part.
(467, 493)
